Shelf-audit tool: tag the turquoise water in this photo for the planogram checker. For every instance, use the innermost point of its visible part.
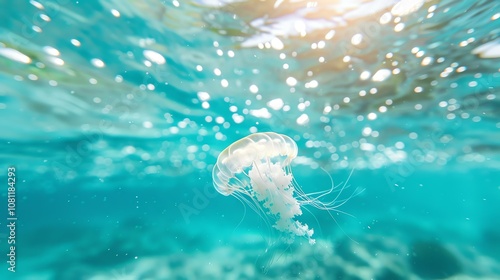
(114, 113)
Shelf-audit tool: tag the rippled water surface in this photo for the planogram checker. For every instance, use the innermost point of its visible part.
(114, 112)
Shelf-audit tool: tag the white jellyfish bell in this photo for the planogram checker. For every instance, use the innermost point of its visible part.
(257, 167)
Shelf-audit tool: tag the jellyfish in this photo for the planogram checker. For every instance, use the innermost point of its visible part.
(256, 169)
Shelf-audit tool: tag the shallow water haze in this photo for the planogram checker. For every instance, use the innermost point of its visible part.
(114, 113)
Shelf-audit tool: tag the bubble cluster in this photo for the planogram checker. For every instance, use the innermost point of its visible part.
(377, 81)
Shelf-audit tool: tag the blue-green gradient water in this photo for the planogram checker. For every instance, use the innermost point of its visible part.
(113, 114)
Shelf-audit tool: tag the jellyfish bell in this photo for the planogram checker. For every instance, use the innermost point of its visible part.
(256, 169)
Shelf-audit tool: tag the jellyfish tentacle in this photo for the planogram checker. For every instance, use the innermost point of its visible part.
(256, 170)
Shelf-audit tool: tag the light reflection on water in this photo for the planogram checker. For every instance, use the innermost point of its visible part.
(364, 84)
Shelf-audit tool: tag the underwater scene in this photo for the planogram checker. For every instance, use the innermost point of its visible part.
(250, 139)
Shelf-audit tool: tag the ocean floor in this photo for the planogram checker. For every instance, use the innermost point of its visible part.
(140, 250)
